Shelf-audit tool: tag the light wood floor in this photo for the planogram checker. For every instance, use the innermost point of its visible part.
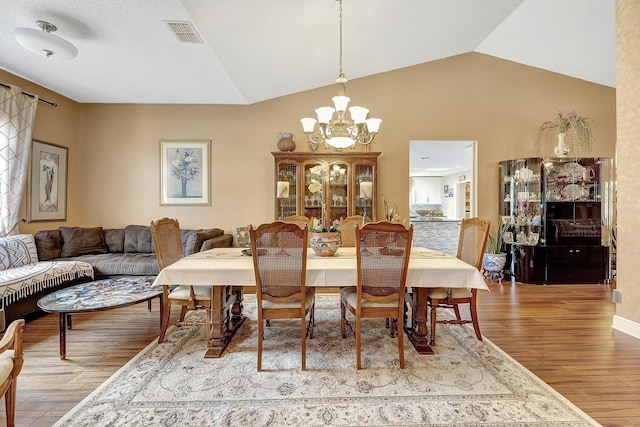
(562, 333)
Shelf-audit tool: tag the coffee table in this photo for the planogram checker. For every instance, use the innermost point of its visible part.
(98, 295)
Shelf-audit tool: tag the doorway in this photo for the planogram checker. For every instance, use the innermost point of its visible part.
(448, 169)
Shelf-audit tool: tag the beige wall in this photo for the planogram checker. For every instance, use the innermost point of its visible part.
(628, 153)
(468, 97)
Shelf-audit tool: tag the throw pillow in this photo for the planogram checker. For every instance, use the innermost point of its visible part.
(114, 239)
(49, 244)
(82, 241)
(194, 243)
(16, 251)
(241, 237)
(137, 239)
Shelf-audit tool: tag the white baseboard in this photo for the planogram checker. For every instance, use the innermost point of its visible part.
(627, 326)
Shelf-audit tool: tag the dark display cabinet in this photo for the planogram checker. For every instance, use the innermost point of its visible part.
(558, 212)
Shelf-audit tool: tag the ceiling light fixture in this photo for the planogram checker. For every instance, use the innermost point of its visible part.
(341, 132)
(45, 43)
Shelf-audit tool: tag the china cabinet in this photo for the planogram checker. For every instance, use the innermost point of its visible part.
(327, 186)
(558, 215)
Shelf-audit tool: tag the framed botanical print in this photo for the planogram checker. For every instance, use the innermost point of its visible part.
(185, 172)
(47, 182)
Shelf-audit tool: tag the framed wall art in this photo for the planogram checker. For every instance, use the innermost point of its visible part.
(185, 172)
(47, 182)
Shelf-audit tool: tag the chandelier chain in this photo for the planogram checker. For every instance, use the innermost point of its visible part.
(341, 73)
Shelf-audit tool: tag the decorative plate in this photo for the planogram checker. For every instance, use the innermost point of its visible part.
(572, 192)
(573, 171)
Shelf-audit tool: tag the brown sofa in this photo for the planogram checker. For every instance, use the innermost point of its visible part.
(125, 251)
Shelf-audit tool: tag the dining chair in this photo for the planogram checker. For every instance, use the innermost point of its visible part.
(348, 230)
(382, 251)
(279, 252)
(471, 244)
(301, 220)
(11, 360)
(168, 245)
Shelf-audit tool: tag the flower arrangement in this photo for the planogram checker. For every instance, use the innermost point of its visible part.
(316, 226)
(572, 123)
(390, 212)
(185, 167)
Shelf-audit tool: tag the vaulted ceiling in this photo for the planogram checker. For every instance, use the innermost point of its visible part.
(255, 50)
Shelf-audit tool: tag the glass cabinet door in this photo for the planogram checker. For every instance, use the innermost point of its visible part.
(313, 198)
(364, 196)
(286, 190)
(338, 195)
(521, 201)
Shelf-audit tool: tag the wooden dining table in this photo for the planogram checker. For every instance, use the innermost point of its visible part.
(228, 270)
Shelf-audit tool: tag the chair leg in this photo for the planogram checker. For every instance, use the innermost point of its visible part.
(400, 334)
(456, 310)
(434, 304)
(166, 312)
(474, 318)
(358, 343)
(183, 313)
(312, 320)
(303, 330)
(10, 404)
(343, 319)
(260, 332)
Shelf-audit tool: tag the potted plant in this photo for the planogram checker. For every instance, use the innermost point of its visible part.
(577, 125)
(494, 259)
(323, 241)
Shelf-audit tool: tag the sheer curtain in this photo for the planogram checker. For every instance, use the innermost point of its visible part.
(17, 114)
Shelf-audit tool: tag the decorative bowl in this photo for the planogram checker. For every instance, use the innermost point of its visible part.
(422, 212)
(325, 244)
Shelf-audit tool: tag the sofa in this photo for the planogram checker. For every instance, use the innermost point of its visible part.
(54, 259)
(24, 278)
(127, 251)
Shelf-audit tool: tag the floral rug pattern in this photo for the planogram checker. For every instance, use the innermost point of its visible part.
(467, 382)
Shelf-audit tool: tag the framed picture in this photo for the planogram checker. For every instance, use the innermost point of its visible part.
(47, 182)
(507, 237)
(185, 172)
(446, 190)
(533, 239)
(241, 237)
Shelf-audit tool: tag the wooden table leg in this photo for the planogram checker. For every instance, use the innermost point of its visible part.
(62, 317)
(222, 328)
(418, 332)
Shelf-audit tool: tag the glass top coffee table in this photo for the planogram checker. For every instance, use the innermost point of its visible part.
(98, 295)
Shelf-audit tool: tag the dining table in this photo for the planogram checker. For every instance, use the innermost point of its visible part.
(228, 270)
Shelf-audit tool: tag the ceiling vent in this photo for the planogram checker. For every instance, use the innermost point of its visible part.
(184, 31)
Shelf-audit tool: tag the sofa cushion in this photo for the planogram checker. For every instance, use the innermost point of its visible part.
(194, 243)
(16, 251)
(114, 239)
(116, 264)
(49, 244)
(137, 239)
(82, 241)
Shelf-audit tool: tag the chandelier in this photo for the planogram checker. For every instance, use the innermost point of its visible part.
(340, 132)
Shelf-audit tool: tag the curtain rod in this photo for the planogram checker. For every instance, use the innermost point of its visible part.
(30, 95)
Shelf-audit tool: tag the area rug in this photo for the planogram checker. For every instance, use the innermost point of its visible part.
(466, 382)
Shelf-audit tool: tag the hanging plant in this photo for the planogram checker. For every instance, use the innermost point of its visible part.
(579, 128)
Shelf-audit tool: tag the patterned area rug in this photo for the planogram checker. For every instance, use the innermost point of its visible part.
(467, 382)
